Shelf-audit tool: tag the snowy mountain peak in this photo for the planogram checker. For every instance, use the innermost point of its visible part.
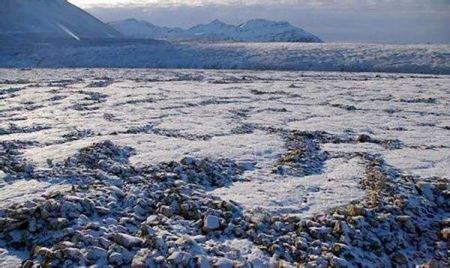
(217, 22)
(131, 20)
(143, 29)
(263, 22)
(210, 27)
(50, 18)
(256, 30)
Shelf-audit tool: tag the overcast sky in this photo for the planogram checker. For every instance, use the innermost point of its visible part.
(382, 21)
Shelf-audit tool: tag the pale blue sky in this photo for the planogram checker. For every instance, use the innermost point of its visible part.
(390, 21)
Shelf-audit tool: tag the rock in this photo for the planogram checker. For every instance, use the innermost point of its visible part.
(58, 223)
(211, 223)
(339, 248)
(110, 221)
(127, 256)
(202, 262)
(432, 264)
(152, 220)
(117, 191)
(301, 244)
(140, 212)
(2, 176)
(426, 189)
(69, 263)
(102, 210)
(405, 221)
(140, 259)
(355, 211)
(166, 211)
(445, 222)
(223, 263)
(115, 258)
(126, 240)
(16, 237)
(32, 225)
(188, 161)
(63, 245)
(337, 262)
(445, 233)
(178, 183)
(364, 138)
(399, 258)
(28, 264)
(96, 253)
(159, 260)
(175, 258)
(246, 165)
(442, 186)
(43, 252)
(72, 253)
(105, 243)
(319, 232)
(45, 214)
(274, 262)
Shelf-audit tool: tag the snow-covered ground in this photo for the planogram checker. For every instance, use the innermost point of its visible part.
(426, 59)
(274, 158)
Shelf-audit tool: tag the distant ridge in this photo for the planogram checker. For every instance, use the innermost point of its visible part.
(257, 30)
(50, 18)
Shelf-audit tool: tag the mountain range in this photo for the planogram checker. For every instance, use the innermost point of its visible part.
(44, 19)
(257, 30)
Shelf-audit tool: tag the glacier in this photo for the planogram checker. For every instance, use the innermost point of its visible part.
(123, 53)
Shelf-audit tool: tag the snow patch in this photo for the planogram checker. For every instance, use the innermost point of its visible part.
(339, 185)
(26, 190)
(69, 32)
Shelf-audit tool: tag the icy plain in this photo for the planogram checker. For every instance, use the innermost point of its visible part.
(123, 53)
(274, 146)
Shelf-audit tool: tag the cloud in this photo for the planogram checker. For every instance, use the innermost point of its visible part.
(419, 4)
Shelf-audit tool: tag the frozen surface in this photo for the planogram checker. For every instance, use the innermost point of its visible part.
(427, 59)
(166, 116)
(302, 196)
(22, 191)
(304, 141)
